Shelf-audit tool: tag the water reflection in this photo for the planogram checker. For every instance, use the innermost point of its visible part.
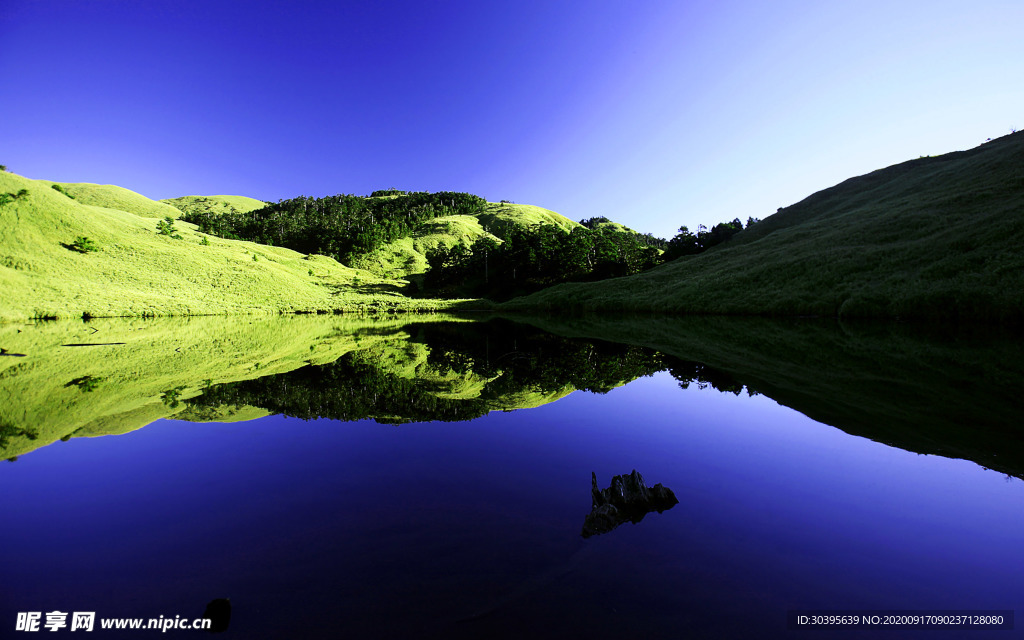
(952, 393)
(444, 373)
(472, 529)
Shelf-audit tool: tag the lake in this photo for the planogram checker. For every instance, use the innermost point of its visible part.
(424, 478)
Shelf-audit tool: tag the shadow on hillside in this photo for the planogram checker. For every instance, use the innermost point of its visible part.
(376, 288)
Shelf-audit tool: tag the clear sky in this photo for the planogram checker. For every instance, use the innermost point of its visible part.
(654, 113)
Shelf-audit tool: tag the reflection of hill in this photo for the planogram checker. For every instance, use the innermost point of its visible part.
(955, 395)
(952, 393)
(306, 366)
(57, 391)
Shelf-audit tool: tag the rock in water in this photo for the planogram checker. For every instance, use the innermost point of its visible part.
(628, 498)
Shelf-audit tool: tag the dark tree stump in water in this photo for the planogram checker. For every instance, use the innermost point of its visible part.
(627, 499)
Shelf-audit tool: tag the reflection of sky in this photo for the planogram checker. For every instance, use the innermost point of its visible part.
(776, 512)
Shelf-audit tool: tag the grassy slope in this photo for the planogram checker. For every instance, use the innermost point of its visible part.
(407, 256)
(615, 226)
(215, 204)
(138, 272)
(930, 237)
(114, 197)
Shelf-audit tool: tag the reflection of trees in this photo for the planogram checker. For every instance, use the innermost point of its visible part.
(85, 384)
(705, 376)
(8, 431)
(512, 360)
(528, 359)
(351, 388)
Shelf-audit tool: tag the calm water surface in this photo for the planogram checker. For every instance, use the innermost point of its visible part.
(325, 528)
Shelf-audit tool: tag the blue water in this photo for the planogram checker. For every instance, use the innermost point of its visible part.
(330, 529)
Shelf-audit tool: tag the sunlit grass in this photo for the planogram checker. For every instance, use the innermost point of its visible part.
(215, 204)
(114, 197)
(134, 271)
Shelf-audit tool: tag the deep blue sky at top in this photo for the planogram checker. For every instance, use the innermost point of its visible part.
(654, 113)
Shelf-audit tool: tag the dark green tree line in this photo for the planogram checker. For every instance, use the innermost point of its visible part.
(687, 243)
(532, 258)
(341, 226)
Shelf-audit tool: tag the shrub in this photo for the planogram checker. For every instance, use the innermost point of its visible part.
(83, 244)
(60, 189)
(205, 241)
(9, 197)
(85, 384)
(166, 228)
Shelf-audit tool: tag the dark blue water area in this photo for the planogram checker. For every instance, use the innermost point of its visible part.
(473, 530)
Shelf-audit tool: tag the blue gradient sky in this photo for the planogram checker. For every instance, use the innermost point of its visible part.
(653, 113)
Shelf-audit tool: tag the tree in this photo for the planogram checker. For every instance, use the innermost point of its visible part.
(165, 227)
(60, 189)
(83, 244)
(6, 198)
(593, 223)
(683, 244)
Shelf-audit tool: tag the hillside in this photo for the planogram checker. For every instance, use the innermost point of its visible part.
(135, 271)
(114, 197)
(933, 237)
(215, 204)
(407, 256)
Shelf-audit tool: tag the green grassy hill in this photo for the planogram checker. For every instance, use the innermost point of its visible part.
(114, 197)
(134, 271)
(933, 237)
(408, 256)
(215, 204)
